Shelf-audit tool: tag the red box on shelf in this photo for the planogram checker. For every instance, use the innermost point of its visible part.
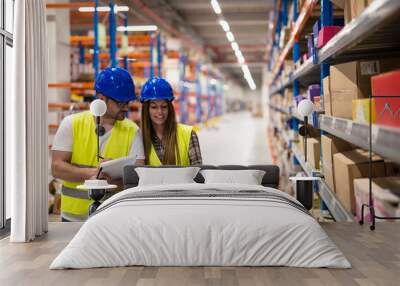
(326, 34)
(387, 111)
(386, 84)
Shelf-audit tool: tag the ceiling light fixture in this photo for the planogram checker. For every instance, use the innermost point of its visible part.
(235, 46)
(139, 28)
(230, 37)
(240, 59)
(238, 53)
(216, 7)
(224, 24)
(104, 9)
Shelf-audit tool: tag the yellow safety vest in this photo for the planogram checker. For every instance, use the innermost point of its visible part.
(75, 202)
(184, 134)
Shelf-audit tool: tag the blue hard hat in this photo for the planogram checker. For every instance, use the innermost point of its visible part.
(156, 88)
(115, 83)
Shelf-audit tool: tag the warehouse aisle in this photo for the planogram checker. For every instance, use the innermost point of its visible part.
(238, 138)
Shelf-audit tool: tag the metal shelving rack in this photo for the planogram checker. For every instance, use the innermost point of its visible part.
(385, 140)
(368, 35)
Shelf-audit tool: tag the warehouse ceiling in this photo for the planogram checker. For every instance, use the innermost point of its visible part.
(196, 22)
(248, 21)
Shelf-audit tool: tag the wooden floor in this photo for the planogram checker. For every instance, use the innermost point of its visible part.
(375, 257)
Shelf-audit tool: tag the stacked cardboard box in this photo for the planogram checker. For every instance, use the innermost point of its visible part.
(313, 152)
(362, 110)
(330, 146)
(354, 8)
(352, 165)
(326, 82)
(386, 89)
(352, 80)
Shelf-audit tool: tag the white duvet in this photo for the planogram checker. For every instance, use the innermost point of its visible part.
(204, 231)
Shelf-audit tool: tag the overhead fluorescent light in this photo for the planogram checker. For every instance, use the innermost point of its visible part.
(230, 36)
(224, 24)
(240, 59)
(216, 7)
(252, 85)
(104, 9)
(235, 46)
(139, 28)
(248, 77)
(238, 53)
(121, 8)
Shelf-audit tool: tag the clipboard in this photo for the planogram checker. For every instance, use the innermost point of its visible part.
(115, 168)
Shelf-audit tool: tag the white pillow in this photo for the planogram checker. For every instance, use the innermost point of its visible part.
(166, 176)
(248, 177)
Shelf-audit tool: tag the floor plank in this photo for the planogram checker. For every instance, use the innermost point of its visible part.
(375, 257)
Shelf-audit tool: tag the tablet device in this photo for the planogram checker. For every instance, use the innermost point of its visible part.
(115, 168)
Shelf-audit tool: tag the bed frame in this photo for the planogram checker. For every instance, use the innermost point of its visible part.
(270, 179)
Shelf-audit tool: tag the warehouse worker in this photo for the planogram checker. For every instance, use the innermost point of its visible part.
(74, 151)
(165, 141)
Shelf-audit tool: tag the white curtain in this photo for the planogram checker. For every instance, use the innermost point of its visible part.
(26, 123)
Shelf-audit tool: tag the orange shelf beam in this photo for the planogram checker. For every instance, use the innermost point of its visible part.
(68, 105)
(134, 106)
(132, 39)
(306, 11)
(76, 85)
(134, 55)
(69, 5)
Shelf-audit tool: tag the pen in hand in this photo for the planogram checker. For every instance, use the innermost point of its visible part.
(98, 172)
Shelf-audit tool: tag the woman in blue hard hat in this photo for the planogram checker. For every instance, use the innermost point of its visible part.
(74, 150)
(165, 141)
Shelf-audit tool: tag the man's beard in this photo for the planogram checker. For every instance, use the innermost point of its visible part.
(120, 116)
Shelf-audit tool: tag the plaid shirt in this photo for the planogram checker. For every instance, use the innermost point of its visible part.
(194, 149)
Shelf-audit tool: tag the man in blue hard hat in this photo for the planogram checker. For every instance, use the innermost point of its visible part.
(74, 150)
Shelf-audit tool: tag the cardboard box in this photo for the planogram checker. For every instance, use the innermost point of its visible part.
(361, 110)
(387, 111)
(313, 91)
(301, 144)
(339, 3)
(386, 84)
(326, 34)
(352, 80)
(313, 152)
(330, 146)
(385, 194)
(352, 165)
(354, 8)
(327, 95)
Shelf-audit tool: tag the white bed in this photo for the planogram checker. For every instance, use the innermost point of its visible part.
(248, 226)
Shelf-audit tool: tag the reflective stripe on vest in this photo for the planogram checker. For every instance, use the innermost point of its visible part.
(84, 154)
(73, 217)
(184, 133)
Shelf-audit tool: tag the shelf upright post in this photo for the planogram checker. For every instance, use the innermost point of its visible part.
(159, 55)
(151, 56)
(276, 15)
(296, 57)
(198, 94)
(126, 62)
(182, 98)
(208, 96)
(113, 42)
(96, 38)
(277, 33)
(326, 20)
(81, 53)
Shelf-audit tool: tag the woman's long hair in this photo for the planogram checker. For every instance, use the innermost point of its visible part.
(169, 137)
